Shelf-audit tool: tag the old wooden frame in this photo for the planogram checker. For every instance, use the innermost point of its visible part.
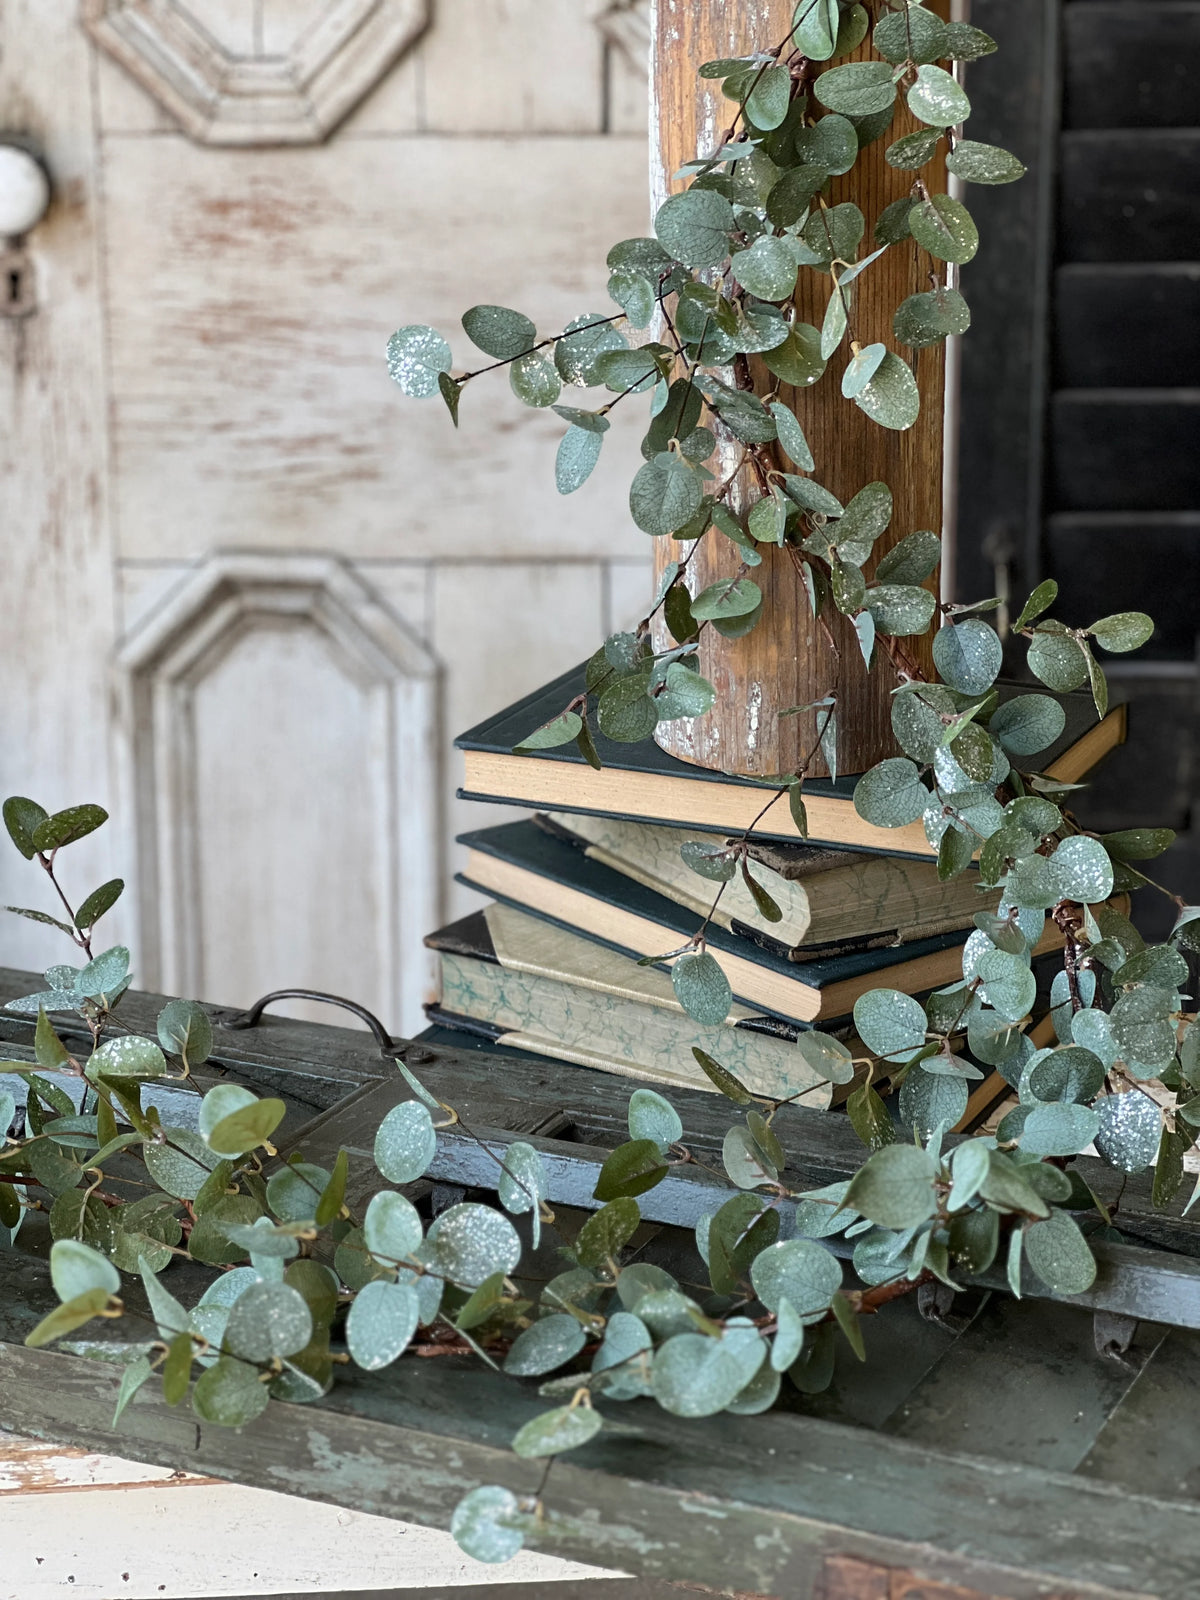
(782, 1504)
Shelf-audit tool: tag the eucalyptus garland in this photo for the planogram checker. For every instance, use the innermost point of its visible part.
(304, 1281)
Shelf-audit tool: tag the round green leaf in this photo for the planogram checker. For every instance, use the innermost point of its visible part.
(746, 1163)
(1129, 1131)
(139, 1060)
(965, 43)
(929, 1100)
(798, 1271)
(858, 89)
(1059, 1254)
(1027, 723)
(181, 1166)
(891, 794)
(892, 223)
(229, 1394)
(381, 1322)
(815, 27)
(562, 729)
(925, 319)
(826, 1055)
(789, 1336)
(607, 1231)
(694, 1376)
(701, 987)
(983, 163)
(1142, 1028)
(861, 368)
(1058, 1128)
(294, 1191)
(469, 1242)
(945, 227)
(565, 1428)
(75, 1268)
(652, 1117)
(913, 560)
(246, 1127)
(767, 269)
(415, 356)
(968, 655)
(890, 1024)
(936, 98)
(534, 381)
(477, 1524)
(665, 494)
(578, 452)
(1084, 870)
(268, 1320)
(405, 1143)
(626, 712)
(584, 340)
(798, 359)
(911, 34)
(901, 610)
(522, 1183)
(392, 1229)
(1058, 660)
(768, 102)
(549, 1343)
(728, 598)
(685, 694)
(499, 332)
(894, 1188)
(1126, 630)
(184, 1029)
(792, 194)
(891, 398)
(695, 227)
(1007, 984)
(911, 152)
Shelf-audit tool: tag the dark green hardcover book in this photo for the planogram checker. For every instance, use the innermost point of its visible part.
(642, 782)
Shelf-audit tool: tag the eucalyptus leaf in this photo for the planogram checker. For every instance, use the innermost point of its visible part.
(405, 1142)
(499, 332)
(416, 356)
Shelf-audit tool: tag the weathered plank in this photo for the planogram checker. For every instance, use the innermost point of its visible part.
(1128, 194)
(1014, 99)
(93, 1527)
(1097, 555)
(408, 1442)
(1150, 1433)
(1120, 324)
(1130, 63)
(1024, 1383)
(1155, 467)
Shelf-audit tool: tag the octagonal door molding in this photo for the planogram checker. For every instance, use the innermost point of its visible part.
(256, 72)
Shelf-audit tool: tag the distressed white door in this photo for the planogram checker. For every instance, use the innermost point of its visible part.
(252, 591)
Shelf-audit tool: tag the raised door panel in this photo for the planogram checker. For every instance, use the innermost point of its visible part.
(250, 392)
(278, 752)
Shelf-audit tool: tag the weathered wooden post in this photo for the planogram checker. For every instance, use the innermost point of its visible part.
(790, 659)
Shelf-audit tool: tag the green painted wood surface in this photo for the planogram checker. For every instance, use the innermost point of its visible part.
(943, 1457)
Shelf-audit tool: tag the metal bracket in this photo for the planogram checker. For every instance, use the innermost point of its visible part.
(1113, 1334)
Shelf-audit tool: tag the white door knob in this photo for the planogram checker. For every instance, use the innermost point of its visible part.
(24, 191)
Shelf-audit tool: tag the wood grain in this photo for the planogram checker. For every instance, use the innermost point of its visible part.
(786, 660)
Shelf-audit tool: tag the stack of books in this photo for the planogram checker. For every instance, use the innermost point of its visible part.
(594, 882)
